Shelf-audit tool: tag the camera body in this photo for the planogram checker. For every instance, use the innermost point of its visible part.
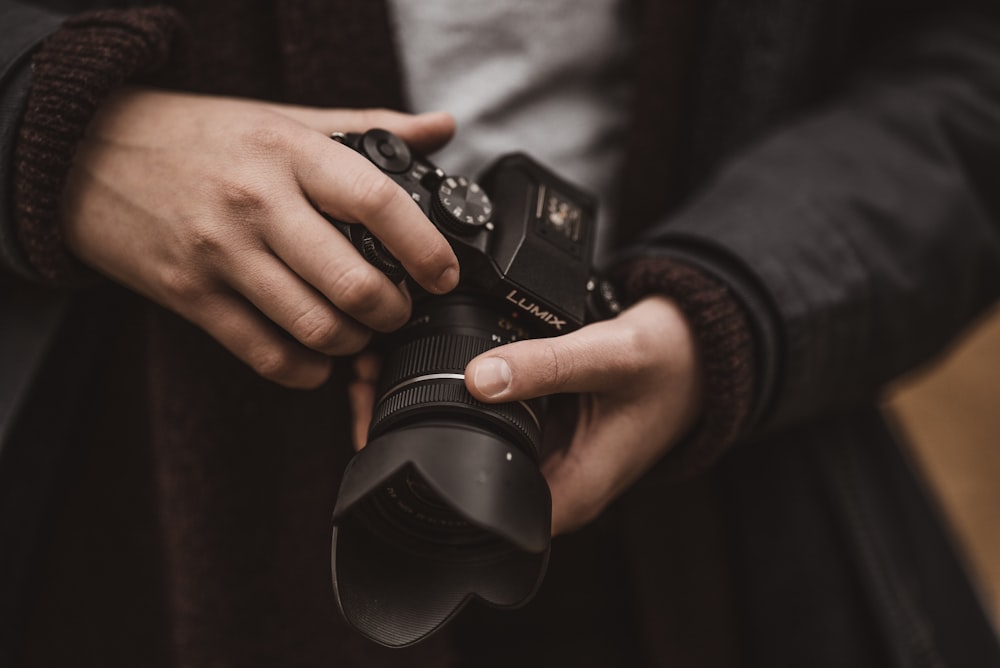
(528, 243)
(446, 502)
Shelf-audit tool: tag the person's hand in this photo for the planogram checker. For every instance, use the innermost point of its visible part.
(208, 206)
(639, 380)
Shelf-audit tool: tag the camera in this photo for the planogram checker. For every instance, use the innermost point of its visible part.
(446, 503)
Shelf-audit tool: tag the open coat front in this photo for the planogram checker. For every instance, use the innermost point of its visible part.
(834, 166)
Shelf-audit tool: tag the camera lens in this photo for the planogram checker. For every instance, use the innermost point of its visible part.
(446, 502)
(423, 373)
(408, 514)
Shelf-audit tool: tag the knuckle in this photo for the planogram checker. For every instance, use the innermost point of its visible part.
(633, 349)
(373, 192)
(265, 149)
(317, 328)
(263, 136)
(241, 197)
(182, 285)
(205, 240)
(556, 367)
(435, 258)
(357, 288)
(274, 362)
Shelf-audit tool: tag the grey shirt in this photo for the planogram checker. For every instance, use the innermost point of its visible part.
(548, 77)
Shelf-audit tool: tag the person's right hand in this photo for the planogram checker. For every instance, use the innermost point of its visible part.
(208, 206)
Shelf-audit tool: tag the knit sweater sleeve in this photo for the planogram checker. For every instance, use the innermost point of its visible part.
(725, 344)
(73, 72)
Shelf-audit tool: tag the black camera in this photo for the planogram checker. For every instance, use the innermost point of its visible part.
(446, 502)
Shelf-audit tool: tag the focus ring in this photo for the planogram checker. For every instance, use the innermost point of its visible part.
(443, 353)
(426, 397)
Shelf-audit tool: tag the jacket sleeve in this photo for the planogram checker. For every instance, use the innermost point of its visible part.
(862, 238)
(60, 70)
(25, 28)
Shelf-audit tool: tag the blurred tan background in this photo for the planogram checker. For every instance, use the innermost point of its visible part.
(950, 413)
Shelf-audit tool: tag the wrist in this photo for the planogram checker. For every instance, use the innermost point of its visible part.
(73, 73)
(722, 339)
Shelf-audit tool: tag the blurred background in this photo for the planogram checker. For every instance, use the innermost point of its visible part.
(950, 415)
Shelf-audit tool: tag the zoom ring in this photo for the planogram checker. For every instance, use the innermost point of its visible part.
(444, 353)
(449, 397)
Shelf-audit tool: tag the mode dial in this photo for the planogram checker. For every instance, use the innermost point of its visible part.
(462, 205)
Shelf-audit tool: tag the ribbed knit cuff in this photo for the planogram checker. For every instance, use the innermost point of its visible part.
(723, 337)
(73, 73)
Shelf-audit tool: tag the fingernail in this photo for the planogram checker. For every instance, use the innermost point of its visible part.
(448, 279)
(492, 376)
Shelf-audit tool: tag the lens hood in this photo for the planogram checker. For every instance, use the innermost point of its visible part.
(396, 588)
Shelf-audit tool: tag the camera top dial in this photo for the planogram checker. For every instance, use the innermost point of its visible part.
(462, 206)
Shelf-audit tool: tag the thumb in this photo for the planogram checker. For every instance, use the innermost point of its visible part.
(424, 133)
(582, 361)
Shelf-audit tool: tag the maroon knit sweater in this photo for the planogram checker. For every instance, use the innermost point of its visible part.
(245, 471)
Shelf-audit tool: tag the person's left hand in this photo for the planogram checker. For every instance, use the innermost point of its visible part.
(639, 380)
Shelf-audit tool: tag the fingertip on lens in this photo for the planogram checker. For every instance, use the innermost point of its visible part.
(492, 377)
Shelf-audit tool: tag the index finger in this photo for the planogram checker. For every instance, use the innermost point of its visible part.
(346, 186)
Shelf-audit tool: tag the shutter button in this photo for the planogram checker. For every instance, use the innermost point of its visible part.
(386, 150)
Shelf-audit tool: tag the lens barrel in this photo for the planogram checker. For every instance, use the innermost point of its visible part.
(446, 502)
(423, 377)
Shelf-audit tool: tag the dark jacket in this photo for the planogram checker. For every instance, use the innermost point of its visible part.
(833, 166)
